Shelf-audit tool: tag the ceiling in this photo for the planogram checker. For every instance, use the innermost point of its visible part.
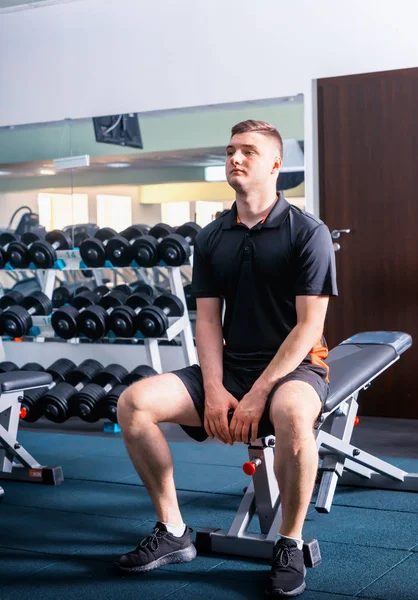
(204, 157)
(13, 5)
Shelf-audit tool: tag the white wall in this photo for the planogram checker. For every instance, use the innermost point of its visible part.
(91, 57)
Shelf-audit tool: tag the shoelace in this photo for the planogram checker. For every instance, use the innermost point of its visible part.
(284, 555)
(151, 542)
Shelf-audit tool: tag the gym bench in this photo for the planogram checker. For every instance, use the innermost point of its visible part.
(353, 364)
(12, 387)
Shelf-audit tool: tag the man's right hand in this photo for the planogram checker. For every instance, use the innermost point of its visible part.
(217, 404)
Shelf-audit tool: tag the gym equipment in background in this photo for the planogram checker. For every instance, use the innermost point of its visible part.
(175, 249)
(18, 250)
(6, 239)
(56, 403)
(87, 404)
(64, 320)
(145, 249)
(93, 322)
(152, 321)
(119, 249)
(43, 253)
(31, 407)
(122, 320)
(16, 321)
(93, 249)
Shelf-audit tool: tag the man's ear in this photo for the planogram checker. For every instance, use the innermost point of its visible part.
(277, 165)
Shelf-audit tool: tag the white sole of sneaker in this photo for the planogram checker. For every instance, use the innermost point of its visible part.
(180, 556)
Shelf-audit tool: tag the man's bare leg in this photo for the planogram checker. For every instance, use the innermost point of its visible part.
(141, 407)
(294, 409)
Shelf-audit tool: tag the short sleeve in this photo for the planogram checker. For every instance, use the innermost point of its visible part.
(204, 284)
(315, 264)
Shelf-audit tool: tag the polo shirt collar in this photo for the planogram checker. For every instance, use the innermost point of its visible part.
(275, 217)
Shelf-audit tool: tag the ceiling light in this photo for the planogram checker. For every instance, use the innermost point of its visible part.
(47, 172)
(4, 173)
(118, 165)
(215, 173)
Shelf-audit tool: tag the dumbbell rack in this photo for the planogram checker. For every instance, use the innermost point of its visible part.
(69, 260)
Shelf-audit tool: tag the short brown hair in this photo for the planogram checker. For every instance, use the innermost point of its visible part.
(259, 127)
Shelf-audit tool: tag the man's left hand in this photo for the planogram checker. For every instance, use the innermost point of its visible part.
(247, 416)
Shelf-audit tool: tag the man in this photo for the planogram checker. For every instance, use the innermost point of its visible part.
(273, 265)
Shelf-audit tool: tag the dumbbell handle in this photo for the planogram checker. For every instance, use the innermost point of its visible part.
(31, 310)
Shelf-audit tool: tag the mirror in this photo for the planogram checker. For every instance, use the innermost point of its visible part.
(78, 176)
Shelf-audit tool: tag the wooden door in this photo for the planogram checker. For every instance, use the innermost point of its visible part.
(368, 177)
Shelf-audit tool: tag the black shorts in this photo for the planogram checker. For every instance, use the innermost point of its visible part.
(238, 381)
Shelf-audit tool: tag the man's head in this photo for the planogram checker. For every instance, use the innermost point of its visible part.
(253, 156)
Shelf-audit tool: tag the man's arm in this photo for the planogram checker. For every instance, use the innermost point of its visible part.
(311, 312)
(209, 343)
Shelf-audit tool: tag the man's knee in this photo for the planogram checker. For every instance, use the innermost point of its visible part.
(136, 401)
(294, 410)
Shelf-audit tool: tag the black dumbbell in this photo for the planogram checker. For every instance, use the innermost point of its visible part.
(31, 366)
(10, 299)
(56, 403)
(64, 320)
(175, 249)
(6, 366)
(119, 249)
(145, 249)
(152, 321)
(43, 253)
(122, 321)
(93, 249)
(18, 250)
(110, 402)
(88, 404)
(31, 409)
(93, 322)
(6, 239)
(16, 321)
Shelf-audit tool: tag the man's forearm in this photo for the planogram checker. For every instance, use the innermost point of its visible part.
(209, 344)
(291, 353)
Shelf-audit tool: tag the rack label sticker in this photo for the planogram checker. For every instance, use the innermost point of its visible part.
(35, 473)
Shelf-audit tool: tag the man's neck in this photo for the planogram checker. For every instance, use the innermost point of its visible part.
(254, 207)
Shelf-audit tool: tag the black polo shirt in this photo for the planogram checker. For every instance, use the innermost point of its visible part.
(259, 271)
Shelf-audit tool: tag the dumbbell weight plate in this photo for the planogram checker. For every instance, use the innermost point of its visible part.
(145, 249)
(60, 296)
(153, 321)
(10, 299)
(56, 402)
(110, 403)
(172, 302)
(43, 254)
(18, 251)
(32, 366)
(122, 320)
(6, 366)
(119, 248)
(139, 373)
(92, 250)
(39, 301)
(86, 404)
(175, 249)
(64, 322)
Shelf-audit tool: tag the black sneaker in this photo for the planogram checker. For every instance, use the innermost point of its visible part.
(287, 575)
(158, 549)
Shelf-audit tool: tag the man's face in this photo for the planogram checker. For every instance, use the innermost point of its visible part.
(252, 159)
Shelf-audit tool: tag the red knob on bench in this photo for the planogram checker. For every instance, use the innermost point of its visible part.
(23, 412)
(250, 467)
(356, 421)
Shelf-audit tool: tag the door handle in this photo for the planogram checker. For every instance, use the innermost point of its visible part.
(336, 233)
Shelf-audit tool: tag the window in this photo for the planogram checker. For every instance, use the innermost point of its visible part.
(175, 213)
(114, 211)
(56, 211)
(206, 211)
